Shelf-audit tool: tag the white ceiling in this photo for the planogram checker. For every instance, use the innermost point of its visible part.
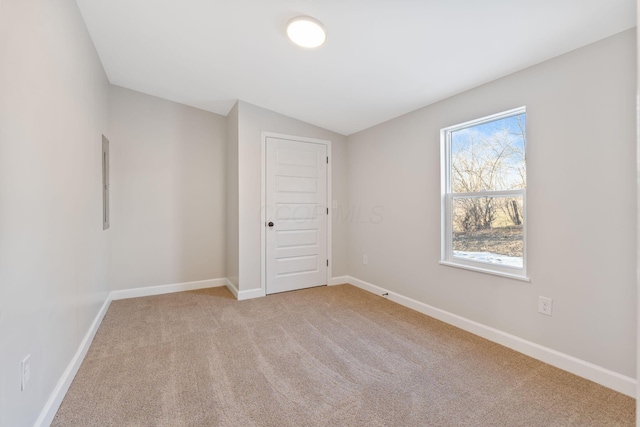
(382, 58)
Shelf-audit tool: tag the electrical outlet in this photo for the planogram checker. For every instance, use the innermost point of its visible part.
(25, 372)
(365, 259)
(545, 305)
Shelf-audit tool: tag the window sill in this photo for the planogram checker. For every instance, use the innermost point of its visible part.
(486, 271)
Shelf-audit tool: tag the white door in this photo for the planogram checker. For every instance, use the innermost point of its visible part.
(296, 215)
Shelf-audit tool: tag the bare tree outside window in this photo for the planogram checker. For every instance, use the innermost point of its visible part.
(486, 166)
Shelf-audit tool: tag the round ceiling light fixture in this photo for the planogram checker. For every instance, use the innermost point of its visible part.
(306, 32)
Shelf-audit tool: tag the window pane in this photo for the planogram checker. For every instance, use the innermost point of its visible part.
(489, 156)
(489, 229)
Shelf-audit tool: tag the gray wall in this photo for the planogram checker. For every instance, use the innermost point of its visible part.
(252, 122)
(232, 217)
(637, 210)
(581, 206)
(53, 252)
(172, 197)
(168, 192)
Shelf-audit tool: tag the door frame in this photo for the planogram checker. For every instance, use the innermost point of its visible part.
(263, 201)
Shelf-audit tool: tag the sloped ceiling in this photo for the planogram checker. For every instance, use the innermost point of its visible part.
(382, 58)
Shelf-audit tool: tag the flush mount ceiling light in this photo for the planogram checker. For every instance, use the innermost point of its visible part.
(306, 32)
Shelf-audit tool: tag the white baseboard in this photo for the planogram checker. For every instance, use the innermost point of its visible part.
(251, 293)
(55, 400)
(53, 404)
(595, 373)
(340, 280)
(166, 289)
(243, 295)
(232, 288)
(605, 377)
(257, 293)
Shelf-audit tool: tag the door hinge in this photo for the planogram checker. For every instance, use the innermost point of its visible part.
(327, 211)
(327, 263)
(327, 159)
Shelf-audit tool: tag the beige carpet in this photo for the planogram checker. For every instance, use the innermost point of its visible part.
(329, 356)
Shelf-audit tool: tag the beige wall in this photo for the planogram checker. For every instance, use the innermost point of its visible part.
(581, 206)
(252, 122)
(168, 192)
(53, 281)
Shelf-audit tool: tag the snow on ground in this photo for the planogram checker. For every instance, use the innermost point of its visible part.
(489, 258)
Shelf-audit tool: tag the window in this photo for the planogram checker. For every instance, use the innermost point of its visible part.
(105, 183)
(484, 194)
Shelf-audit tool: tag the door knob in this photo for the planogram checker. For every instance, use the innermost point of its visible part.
(270, 224)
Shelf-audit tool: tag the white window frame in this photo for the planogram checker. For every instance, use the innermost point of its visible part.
(447, 197)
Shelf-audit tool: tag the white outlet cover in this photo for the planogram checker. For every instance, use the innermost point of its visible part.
(545, 306)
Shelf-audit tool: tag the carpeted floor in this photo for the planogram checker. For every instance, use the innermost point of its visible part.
(329, 356)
